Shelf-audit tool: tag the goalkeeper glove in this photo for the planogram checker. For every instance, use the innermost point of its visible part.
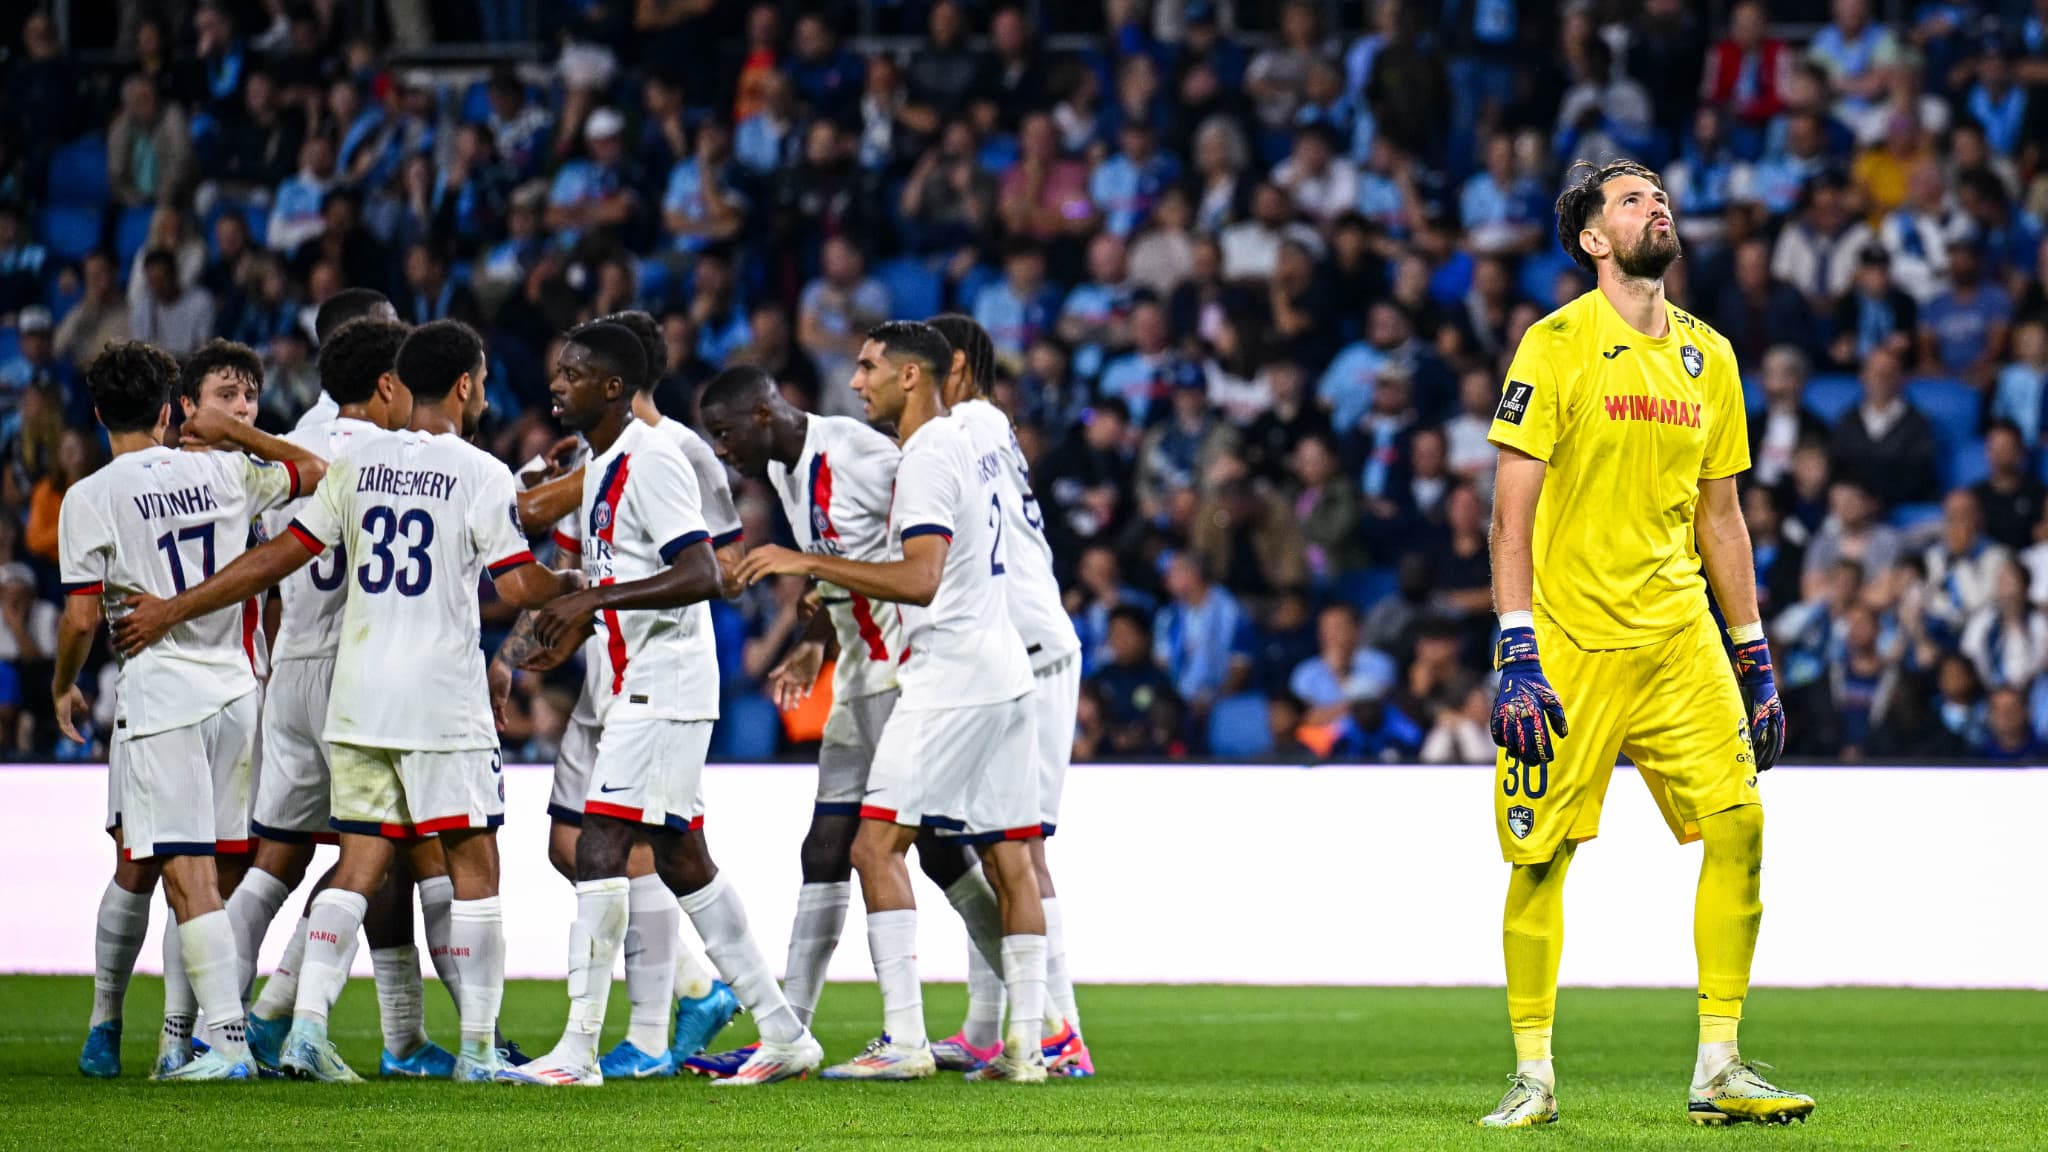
(1760, 702)
(1526, 707)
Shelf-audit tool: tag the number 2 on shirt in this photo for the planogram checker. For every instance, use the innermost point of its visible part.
(995, 550)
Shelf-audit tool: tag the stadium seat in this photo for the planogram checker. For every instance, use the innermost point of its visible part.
(69, 231)
(1367, 587)
(1829, 396)
(78, 172)
(1950, 405)
(978, 277)
(10, 343)
(1964, 464)
(258, 218)
(914, 289)
(1753, 393)
(655, 282)
(131, 231)
(748, 729)
(1237, 728)
(1909, 518)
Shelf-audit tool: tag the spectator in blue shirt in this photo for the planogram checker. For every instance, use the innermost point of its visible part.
(1963, 330)
(1096, 318)
(1500, 208)
(1144, 376)
(2008, 732)
(721, 320)
(1020, 306)
(1343, 671)
(767, 140)
(21, 263)
(595, 193)
(295, 211)
(1097, 593)
(700, 207)
(1139, 699)
(827, 77)
(833, 318)
(1997, 103)
(2022, 395)
(1127, 185)
(1197, 635)
(521, 128)
(35, 365)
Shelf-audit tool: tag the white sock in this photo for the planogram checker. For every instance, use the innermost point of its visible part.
(721, 919)
(336, 919)
(1059, 987)
(437, 897)
(281, 991)
(820, 918)
(594, 941)
(975, 901)
(1712, 1060)
(180, 1006)
(892, 941)
(401, 998)
(251, 908)
(209, 946)
(654, 934)
(1024, 979)
(476, 948)
(1541, 1071)
(117, 941)
(694, 973)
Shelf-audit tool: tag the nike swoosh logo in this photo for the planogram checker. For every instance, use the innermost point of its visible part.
(608, 788)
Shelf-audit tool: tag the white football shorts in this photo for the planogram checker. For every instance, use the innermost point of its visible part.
(650, 771)
(1054, 705)
(967, 772)
(399, 794)
(185, 791)
(294, 785)
(853, 729)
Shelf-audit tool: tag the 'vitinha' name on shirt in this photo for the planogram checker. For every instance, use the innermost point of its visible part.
(405, 481)
(183, 502)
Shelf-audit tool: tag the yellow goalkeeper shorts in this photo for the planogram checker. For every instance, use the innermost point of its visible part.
(1672, 707)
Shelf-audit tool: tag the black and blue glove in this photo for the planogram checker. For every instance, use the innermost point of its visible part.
(1526, 708)
(1760, 702)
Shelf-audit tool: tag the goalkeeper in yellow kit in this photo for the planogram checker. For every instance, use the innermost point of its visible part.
(1621, 432)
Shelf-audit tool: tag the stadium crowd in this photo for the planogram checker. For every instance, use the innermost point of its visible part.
(1254, 292)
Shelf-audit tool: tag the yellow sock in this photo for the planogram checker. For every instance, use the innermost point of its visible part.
(1728, 908)
(1532, 937)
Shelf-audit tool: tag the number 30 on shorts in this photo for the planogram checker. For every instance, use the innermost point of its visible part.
(1533, 780)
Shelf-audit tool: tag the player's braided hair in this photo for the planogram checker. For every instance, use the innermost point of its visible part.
(969, 338)
(130, 383)
(238, 361)
(1583, 199)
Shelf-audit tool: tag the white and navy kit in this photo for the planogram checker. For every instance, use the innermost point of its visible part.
(578, 750)
(292, 779)
(158, 521)
(956, 754)
(421, 518)
(659, 667)
(837, 500)
(1037, 611)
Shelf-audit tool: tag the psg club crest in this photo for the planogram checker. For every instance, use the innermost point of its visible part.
(601, 516)
(1520, 820)
(1695, 360)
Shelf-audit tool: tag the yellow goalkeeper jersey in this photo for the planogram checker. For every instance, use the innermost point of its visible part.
(1629, 426)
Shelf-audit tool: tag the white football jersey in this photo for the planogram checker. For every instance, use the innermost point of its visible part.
(960, 649)
(640, 508)
(837, 501)
(309, 626)
(714, 487)
(422, 517)
(159, 521)
(324, 411)
(1034, 592)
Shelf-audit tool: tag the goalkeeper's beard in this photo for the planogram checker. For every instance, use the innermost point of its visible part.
(1652, 254)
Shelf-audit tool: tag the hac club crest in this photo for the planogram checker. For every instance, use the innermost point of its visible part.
(1695, 360)
(1520, 820)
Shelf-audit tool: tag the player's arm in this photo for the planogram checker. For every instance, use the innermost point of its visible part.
(546, 503)
(911, 580)
(692, 576)
(1518, 483)
(790, 682)
(208, 428)
(259, 568)
(1725, 553)
(76, 628)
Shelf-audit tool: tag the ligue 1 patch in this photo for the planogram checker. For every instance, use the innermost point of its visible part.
(1514, 402)
(1695, 360)
(1520, 820)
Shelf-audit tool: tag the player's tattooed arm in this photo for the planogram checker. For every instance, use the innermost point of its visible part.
(520, 650)
(209, 428)
(261, 567)
(544, 504)
(76, 628)
(911, 580)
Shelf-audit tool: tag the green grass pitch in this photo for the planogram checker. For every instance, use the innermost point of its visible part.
(1181, 1067)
